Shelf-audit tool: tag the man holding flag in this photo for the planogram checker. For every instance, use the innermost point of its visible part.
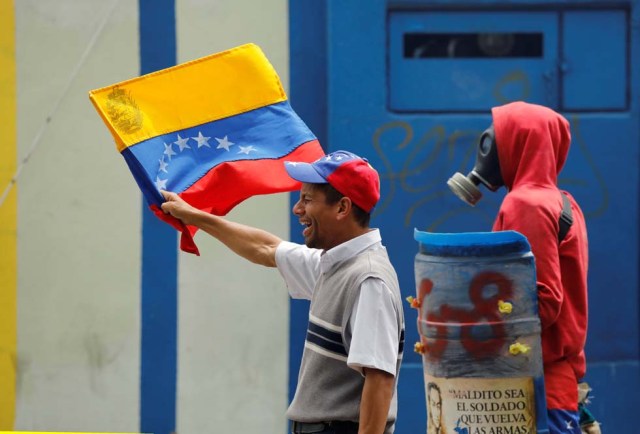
(218, 130)
(354, 344)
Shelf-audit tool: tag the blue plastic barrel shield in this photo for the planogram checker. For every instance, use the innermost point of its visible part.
(479, 333)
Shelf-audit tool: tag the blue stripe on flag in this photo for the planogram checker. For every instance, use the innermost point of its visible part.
(147, 186)
(159, 254)
(175, 161)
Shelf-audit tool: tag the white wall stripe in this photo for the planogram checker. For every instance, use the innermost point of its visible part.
(233, 319)
(78, 222)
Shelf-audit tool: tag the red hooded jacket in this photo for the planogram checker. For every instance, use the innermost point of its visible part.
(533, 143)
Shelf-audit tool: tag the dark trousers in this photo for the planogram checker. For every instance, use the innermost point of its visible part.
(335, 427)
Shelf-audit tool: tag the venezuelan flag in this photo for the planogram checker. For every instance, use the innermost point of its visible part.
(215, 130)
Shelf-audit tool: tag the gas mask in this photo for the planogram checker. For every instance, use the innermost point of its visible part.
(485, 171)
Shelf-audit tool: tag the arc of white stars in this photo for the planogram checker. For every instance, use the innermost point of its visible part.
(202, 140)
(161, 184)
(569, 424)
(163, 165)
(224, 143)
(182, 143)
(246, 149)
(168, 150)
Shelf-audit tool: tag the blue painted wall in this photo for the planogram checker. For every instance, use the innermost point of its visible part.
(417, 120)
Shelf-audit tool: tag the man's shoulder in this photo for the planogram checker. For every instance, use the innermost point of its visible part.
(287, 247)
(374, 264)
(372, 258)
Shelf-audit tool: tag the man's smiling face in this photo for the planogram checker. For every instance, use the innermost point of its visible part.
(317, 216)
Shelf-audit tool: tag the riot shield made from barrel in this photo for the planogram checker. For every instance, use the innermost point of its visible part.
(479, 333)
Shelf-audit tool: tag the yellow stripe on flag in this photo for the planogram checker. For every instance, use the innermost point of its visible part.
(204, 90)
(8, 217)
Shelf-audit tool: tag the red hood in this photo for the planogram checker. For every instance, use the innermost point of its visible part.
(533, 143)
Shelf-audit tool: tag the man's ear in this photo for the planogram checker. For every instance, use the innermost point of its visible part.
(344, 207)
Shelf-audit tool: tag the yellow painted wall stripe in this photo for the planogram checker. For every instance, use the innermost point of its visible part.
(8, 216)
(192, 93)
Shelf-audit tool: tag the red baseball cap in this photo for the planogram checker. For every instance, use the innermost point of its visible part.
(348, 173)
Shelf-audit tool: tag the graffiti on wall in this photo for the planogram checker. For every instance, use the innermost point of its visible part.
(417, 161)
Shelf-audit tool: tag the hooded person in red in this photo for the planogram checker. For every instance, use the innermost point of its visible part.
(525, 151)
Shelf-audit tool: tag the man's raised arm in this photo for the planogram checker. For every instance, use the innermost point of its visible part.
(256, 245)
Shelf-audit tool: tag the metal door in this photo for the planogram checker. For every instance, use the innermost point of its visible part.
(410, 85)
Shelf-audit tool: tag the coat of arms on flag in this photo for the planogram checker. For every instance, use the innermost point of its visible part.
(215, 130)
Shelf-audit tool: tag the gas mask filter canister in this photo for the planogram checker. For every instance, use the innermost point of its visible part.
(485, 171)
